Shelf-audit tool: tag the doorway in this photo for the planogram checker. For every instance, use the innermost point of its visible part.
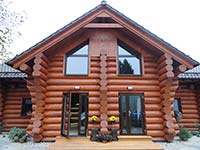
(131, 114)
(74, 114)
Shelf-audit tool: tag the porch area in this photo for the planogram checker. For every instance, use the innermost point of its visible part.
(124, 143)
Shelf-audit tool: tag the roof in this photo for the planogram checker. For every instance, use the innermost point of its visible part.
(9, 72)
(99, 7)
(191, 74)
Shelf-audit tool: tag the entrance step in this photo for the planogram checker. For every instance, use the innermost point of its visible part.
(124, 143)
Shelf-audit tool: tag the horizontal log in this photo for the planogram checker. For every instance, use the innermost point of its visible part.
(52, 120)
(51, 133)
(54, 100)
(17, 121)
(48, 139)
(52, 127)
(155, 133)
(132, 82)
(154, 107)
(70, 88)
(153, 120)
(94, 106)
(53, 107)
(72, 82)
(154, 127)
(153, 113)
(53, 113)
(93, 112)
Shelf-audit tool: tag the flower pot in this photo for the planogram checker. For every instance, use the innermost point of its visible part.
(114, 134)
(94, 134)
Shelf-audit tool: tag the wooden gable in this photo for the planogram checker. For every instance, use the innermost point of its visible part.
(106, 17)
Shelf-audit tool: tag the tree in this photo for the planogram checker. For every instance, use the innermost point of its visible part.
(125, 67)
(9, 21)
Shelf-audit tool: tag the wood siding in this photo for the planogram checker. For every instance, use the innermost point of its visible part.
(14, 92)
(189, 104)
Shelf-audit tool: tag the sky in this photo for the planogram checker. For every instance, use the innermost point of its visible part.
(175, 21)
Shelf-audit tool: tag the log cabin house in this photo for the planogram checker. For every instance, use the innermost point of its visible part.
(102, 64)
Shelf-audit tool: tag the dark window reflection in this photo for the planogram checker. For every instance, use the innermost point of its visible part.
(129, 63)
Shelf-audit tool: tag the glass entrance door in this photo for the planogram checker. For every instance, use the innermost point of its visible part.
(74, 116)
(131, 114)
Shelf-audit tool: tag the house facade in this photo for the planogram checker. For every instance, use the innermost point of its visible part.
(104, 64)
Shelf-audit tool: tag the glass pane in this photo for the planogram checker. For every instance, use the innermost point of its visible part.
(122, 51)
(176, 107)
(74, 114)
(123, 115)
(77, 66)
(135, 115)
(82, 51)
(83, 117)
(129, 65)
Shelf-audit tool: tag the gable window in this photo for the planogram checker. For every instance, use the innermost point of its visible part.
(26, 106)
(129, 61)
(77, 61)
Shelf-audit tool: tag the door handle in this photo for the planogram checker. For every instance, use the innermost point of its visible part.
(129, 113)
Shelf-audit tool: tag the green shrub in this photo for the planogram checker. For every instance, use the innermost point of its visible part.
(104, 137)
(17, 135)
(198, 131)
(1, 128)
(184, 134)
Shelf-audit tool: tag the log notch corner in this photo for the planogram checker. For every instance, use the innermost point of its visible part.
(168, 85)
(37, 88)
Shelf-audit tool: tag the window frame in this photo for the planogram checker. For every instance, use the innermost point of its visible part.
(24, 112)
(70, 54)
(134, 54)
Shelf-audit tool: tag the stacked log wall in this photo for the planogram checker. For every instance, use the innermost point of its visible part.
(189, 105)
(58, 84)
(13, 96)
(147, 84)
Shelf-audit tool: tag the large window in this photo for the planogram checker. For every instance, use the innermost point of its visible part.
(77, 62)
(129, 61)
(26, 106)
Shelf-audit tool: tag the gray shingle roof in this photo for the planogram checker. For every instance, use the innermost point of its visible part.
(103, 4)
(9, 72)
(193, 73)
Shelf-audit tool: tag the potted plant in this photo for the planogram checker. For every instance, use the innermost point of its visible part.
(112, 120)
(104, 138)
(94, 131)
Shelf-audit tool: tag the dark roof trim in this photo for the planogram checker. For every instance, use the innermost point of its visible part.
(117, 12)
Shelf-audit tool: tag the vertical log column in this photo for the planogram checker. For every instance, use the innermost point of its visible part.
(40, 70)
(103, 93)
(1, 103)
(168, 86)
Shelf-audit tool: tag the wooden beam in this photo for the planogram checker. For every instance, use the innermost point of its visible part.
(180, 69)
(25, 68)
(103, 25)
